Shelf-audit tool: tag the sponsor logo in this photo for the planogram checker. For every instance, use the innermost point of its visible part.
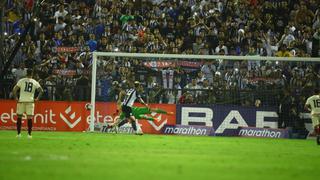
(75, 116)
(234, 115)
(158, 118)
(124, 130)
(188, 130)
(262, 132)
(47, 117)
(71, 116)
(227, 119)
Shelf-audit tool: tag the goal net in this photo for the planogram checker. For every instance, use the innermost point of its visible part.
(202, 79)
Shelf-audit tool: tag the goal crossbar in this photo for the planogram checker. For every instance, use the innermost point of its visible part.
(205, 57)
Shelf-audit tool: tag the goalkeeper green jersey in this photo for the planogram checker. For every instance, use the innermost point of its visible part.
(137, 112)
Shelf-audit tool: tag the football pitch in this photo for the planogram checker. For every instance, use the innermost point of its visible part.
(61, 155)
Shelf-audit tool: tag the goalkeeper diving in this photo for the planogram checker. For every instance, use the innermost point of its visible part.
(140, 113)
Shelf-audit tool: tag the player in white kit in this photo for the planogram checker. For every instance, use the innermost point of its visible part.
(313, 105)
(27, 88)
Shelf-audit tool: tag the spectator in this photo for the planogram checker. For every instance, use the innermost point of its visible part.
(208, 69)
(304, 16)
(221, 48)
(155, 94)
(60, 25)
(114, 91)
(50, 89)
(283, 51)
(257, 103)
(287, 37)
(186, 98)
(30, 62)
(206, 96)
(92, 43)
(60, 14)
(316, 43)
(193, 87)
(20, 72)
(316, 22)
(285, 110)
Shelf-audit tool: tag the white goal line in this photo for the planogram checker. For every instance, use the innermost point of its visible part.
(205, 57)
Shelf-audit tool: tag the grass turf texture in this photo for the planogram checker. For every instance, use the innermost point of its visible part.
(58, 155)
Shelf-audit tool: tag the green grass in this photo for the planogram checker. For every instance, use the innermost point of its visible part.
(57, 155)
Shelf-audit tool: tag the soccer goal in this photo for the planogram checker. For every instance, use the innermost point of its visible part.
(202, 79)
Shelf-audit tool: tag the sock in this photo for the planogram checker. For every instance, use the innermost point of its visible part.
(122, 123)
(317, 130)
(116, 124)
(147, 118)
(160, 111)
(134, 125)
(109, 126)
(29, 126)
(19, 125)
(138, 127)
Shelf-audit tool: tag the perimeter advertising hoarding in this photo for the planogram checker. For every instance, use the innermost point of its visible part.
(263, 132)
(226, 119)
(48, 116)
(188, 130)
(73, 116)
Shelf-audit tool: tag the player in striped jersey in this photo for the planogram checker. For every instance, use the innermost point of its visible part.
(313, 105)
(131, 96)
(27, 88)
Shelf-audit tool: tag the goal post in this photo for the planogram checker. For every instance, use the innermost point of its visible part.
(93, 91)
(176, 57)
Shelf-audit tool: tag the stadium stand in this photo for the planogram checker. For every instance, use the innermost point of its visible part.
(59, 47)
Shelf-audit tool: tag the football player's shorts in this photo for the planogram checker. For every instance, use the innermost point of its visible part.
(127, 111)
(25, 107)
(315, 120)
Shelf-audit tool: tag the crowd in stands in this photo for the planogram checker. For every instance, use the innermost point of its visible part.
(65, 33)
